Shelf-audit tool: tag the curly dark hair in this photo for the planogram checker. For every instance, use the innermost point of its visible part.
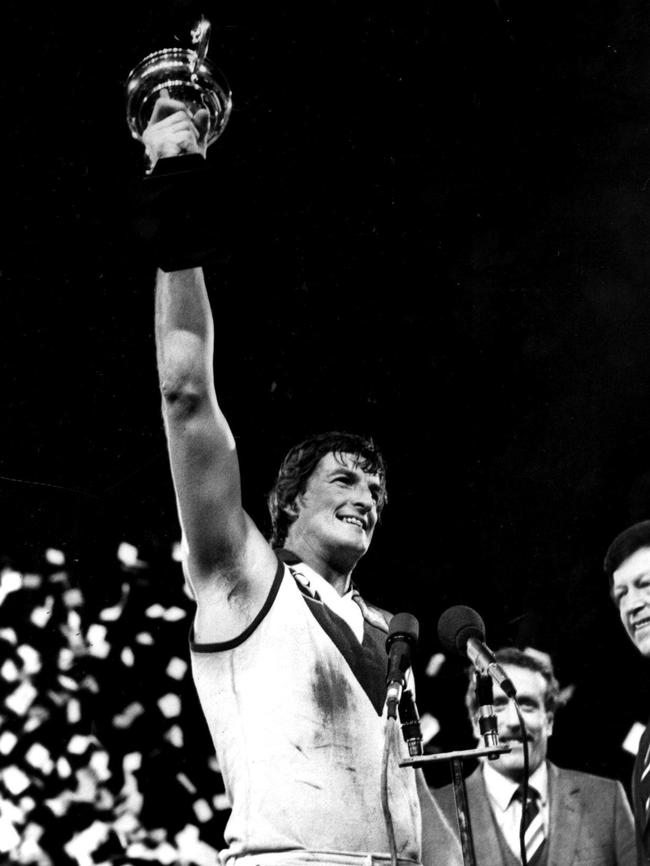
(521, 659)
(301, 461)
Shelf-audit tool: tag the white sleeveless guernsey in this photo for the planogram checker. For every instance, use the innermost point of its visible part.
(295, 709)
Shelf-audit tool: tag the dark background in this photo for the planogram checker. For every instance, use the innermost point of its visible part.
(439, 235)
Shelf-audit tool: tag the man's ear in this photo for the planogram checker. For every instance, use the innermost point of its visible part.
(292, 509)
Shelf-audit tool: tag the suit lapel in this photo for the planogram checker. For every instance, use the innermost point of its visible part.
(484, 833)
(565, 797)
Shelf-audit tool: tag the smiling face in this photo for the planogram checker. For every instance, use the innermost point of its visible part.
(631, 594)
(334, 519)
(531, 693)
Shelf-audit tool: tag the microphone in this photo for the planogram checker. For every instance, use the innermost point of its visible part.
(403, 632)
(461, 630)
(487, 720)
(410, 720)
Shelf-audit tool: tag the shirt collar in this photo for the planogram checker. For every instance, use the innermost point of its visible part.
(501, 789)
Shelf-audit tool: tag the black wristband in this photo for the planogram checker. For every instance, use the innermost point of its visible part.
(175, 216)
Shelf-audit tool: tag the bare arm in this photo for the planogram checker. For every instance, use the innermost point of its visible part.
(230, 565)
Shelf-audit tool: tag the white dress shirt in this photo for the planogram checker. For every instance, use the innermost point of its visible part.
(506, 811)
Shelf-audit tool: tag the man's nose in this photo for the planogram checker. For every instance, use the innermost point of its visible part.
(509, 719)
(363, 499)
(633, 601)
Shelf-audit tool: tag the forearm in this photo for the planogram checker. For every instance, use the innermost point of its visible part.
(184, 332)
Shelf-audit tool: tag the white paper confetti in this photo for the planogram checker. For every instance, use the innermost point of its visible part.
(127, 657)
(176, 668)
(193, 849)
(144, 638)
(9, 671)
(202, 811)
(39, 757)
(429, 726)
(186, 783)
(30, 658)
(73, 597)
(55, 557)
(174, 614)
(125, 719)
(7, 741)
(83, 844)
(97, 643)
(10, 581)
(32, 581)
(435, 663)
(221, 802)
(154, 611)
(15, 780)
(63, 768)
(73, 711)
(175, 736)
(21, 699)
(9, 635)
(9, 837)
(41, 615)
(170, 705)
(633, 738)
(79, 743)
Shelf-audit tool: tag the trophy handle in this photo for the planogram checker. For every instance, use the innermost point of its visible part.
(200, 34)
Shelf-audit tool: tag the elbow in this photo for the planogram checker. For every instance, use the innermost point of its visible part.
(184, 375)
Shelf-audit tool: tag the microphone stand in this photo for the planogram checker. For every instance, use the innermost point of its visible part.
(492, 749)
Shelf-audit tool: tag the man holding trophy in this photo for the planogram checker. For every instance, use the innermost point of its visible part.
(289, 662)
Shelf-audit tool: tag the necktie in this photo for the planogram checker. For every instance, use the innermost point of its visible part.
(644, 782)
(533, 824)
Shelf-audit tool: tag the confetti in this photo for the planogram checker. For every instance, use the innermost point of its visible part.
(9, 672)
(21, 699)
(15, 780)
(7, 741)
(73, 597)
(202, 811)
(174, 614)
(10, 581)
(128, 555)
(631, 742)
(170, 705)
(127, 657)
(175, 736)
(30, 658)
(39, 757)
(435, 663)
(78, 744)
(97, 643)
(176, 668)
(144, 638)
(55, 557)
(127, 716)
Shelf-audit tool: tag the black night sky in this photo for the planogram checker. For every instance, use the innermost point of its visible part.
(435, 229)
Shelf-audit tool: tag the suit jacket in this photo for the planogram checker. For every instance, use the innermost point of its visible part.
(642, 826)
(590, 821)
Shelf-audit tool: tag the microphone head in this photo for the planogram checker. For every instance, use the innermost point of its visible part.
(403, 626)
(457, 625)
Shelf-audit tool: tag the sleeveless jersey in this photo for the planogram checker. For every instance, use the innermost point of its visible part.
(294, 706)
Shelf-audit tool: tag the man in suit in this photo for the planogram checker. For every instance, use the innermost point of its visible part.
(573, 818)
(627, 565)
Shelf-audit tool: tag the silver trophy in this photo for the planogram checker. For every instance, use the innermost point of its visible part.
(184, 74)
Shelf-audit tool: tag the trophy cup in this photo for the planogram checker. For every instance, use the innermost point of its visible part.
(184, 74)
(172, 215)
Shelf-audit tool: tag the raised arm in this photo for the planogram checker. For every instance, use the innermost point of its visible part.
(230, 565)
